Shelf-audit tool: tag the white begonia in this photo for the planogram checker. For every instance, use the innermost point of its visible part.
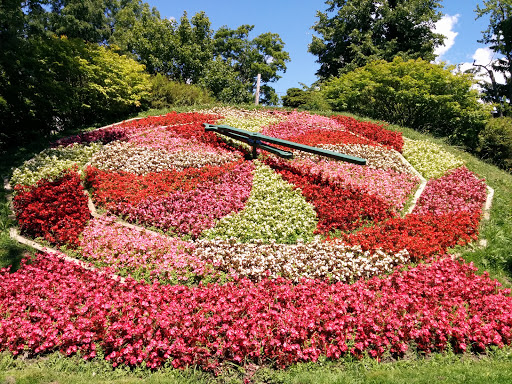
(429, 159)
(273, 203)
(128, 157)
(50, 163)
(316, 260)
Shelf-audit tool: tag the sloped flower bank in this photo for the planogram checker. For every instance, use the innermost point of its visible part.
(53, 305)
(268, 261)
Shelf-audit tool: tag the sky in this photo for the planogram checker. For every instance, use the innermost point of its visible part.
(293, 19)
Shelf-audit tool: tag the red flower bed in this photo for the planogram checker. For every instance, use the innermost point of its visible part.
(422, 235)
(172, 118)
(372, 131)
(113, 190)
(53, 305)
(123, 130)
(337, 208)
(55, 210)
(458, 190)
(323, 136)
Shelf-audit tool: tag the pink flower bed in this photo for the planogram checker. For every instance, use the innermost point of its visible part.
(459, 190)
(54, 305)
(160, 138)
(141, 254)
(191, 212)
(299, 123)
(389, 185)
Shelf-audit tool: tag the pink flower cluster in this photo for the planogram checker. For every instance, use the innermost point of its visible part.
(141, 254)
(389, 185)
(54, 305)
(192, 212)
(460, 190)
(299, 123)
(160, 138)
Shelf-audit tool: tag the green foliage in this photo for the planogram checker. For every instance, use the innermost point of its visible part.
(222, 81)
(166, 93)
(307, 98)
(356, 32)
(414, 93)
(61, 82)
(495, 142)
(83, 19)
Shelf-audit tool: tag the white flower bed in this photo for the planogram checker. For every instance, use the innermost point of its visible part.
(316, 260)
(128, 157)
(275, 211)
(50, 163)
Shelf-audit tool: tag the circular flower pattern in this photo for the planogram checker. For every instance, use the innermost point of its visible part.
(230, 259)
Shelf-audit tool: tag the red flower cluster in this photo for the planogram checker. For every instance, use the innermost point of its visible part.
(372, 131)
(53, 305)
(422, 235)
(114, 190)
(324, 136)
(54, 210)
(337, 208)
(172, 118)
(123, 130)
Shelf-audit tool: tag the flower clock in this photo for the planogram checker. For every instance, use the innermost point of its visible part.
(192, 253)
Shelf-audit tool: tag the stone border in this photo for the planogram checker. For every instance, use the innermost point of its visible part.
(423, 182)
(14, 234)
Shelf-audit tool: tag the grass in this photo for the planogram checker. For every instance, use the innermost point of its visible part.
(495, 367)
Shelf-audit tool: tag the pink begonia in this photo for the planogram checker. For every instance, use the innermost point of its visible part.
(161, 138)
(458, 190)
(53, 305)
(141, 254)
(393, 187)
(192, 212)
(299, 123)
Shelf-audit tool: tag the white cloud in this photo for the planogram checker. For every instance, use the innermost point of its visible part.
(482, 56)
(445, 27)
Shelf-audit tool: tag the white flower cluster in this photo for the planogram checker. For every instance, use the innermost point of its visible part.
(274, 211)
(429, 159)
(376, 157)
(252, 121)
(316, 260)
(50, 163)
(129, 157)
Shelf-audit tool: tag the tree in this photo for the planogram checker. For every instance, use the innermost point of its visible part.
(413, 93)
(82, 19)
(264, 54)
(355, 32)
(194, 48)
(499, 36)
(225, 85)
(310, 98)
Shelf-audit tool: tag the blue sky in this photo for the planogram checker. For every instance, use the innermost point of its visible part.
(293, 19)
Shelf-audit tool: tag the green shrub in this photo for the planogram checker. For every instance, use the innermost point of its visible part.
(414, 93)
(308, 98)
(166, 93)
(67, 83)
(495, 142)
